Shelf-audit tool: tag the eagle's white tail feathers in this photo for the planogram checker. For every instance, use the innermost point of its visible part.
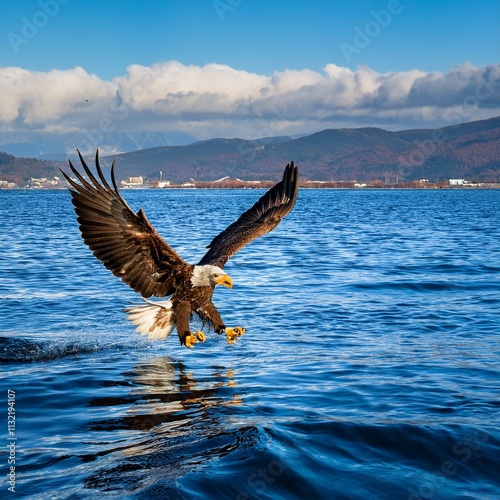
(154, 319)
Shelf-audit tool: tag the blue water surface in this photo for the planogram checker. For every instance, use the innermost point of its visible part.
(369, 369)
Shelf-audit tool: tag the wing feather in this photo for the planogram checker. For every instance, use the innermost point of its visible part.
(124, 241)
(262, 218)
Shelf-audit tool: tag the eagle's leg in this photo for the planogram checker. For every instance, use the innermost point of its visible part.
(210, 312)
(182, 315)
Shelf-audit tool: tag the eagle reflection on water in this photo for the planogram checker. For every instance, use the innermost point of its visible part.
(164, 397)
(165, 423)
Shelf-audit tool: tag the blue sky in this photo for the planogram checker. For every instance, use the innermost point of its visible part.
(196, 69)
(259, 36)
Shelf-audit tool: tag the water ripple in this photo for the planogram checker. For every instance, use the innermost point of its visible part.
(369, 368)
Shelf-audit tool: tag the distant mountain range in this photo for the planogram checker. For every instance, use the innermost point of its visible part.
(470, 151)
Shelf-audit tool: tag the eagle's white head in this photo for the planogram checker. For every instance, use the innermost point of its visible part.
(209, 275)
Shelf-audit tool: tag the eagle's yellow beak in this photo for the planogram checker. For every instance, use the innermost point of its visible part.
(224, 280)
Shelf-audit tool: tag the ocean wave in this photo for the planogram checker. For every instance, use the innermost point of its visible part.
(21, 350)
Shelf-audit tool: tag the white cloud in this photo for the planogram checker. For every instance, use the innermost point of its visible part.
(216, 100)
(37, 99)
(171, 88)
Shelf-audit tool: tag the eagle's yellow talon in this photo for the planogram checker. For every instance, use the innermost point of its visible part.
(190, 341)
(201, 336)
(232, 334)
(239, 331)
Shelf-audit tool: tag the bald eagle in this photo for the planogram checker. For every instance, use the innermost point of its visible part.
(130, 247)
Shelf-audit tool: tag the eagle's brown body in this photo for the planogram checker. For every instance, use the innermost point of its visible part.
(129, 246)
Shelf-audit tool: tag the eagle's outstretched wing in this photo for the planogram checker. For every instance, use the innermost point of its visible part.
(262, 218)
(124, 241)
